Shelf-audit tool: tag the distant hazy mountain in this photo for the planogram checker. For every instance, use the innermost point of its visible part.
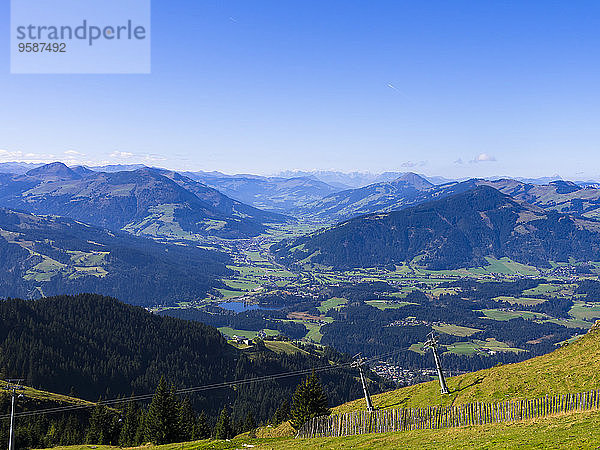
(17, 167)
(404, 191)
(55, 255)
(117, 167)
(540, 180)
(269, 193)
(220, 202)
(143, 202)
(412, 189)
(455, 231)
(439, 180)
(353, 180)
(341, 180)
(563, 196)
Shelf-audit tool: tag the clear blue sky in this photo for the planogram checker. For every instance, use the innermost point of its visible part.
(261, 86)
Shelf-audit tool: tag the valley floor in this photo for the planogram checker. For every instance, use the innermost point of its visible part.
(569, 431)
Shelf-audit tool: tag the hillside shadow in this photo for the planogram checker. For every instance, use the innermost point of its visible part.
(460, 388)
(402, 402)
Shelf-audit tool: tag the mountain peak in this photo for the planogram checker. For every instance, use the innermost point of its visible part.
(55, 170)
(564, 187)
(415, 180)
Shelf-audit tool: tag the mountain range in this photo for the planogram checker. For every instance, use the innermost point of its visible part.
(353, 180)
(405, 190)
(411, 189)
(282, 195)
(562, 196)
(455, 231)
(388, 222)
(148, 202)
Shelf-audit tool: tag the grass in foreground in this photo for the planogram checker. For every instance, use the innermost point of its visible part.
(576, 430)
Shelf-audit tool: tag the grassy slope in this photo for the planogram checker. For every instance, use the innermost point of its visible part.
(576, 430)
(43, 396)
(573, 368)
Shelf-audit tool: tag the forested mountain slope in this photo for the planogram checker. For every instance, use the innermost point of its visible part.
(455, 231)
(95, 346)
(44, 255)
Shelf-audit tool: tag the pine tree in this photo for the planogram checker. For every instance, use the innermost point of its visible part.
(162, 420)
(282, 413)
(104, 426)
(308, 401)
(131, 425)
(187, 420)
(223, 428)
(140, 434)
(249, 423)
(202, 428)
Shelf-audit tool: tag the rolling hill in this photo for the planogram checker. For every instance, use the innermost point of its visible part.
(277, 194)
(44, 255)
(146, 201)
(562, 196)
(452, 232)
(412, 189)
(404, 191)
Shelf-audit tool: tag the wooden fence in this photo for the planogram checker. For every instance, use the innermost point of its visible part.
(436, 417)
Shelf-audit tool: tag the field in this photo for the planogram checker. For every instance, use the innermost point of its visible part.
(508, 267)
(525, 301)
(332, 303)
(585, 311)
(382, 304)
(572, 323)
(455, 330)
(478, 346)
(44, 396)
(246, 334)
(314, 332)
(283, 347)
(552, 290)
(498, 314)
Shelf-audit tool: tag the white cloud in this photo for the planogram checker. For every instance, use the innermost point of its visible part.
(154, 158)
(483, 157)
(119, 154)
(74, 153)
(7, 154)
(18, 155)
(411, 164)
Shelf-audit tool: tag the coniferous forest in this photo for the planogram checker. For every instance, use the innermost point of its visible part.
(97, 348)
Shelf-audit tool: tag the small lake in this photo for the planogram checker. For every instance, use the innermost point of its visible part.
(239, 307)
